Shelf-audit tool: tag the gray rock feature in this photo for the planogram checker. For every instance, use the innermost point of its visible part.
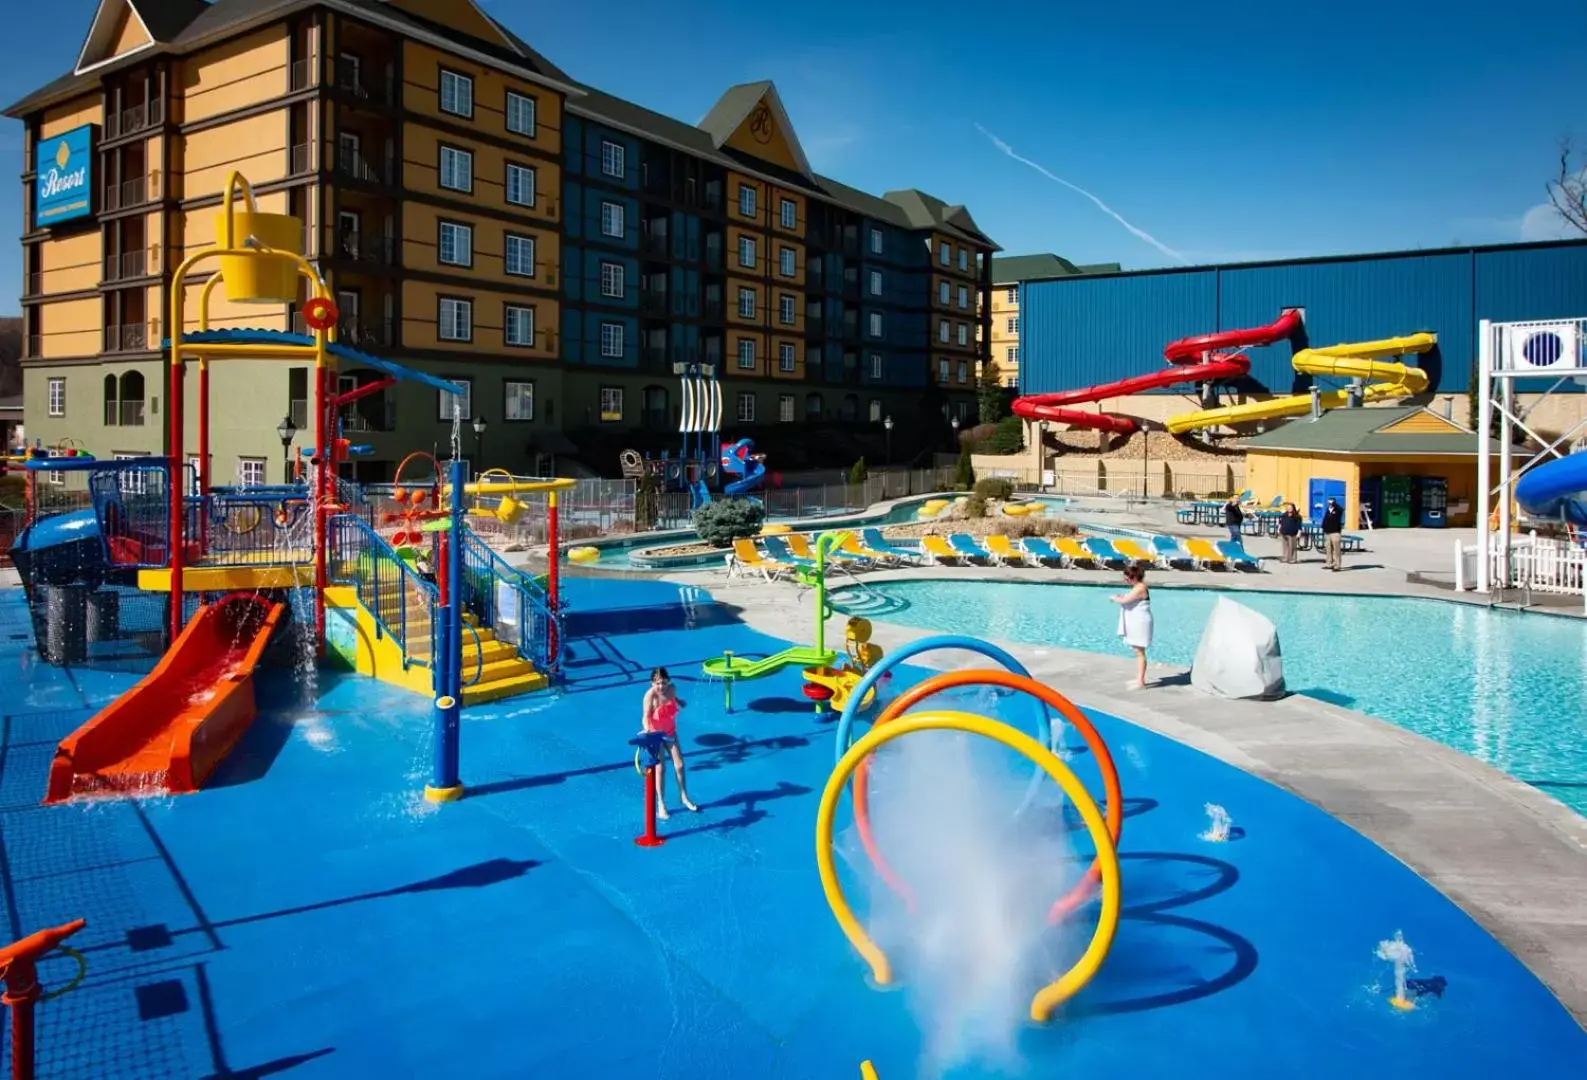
(1239, 655)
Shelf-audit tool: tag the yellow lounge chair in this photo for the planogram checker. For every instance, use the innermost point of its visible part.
(1004, 551)
(939, 551)
(855, 548)
(748, 557)
(1131, 549)
(1071, 549)
(1204, 553)
(799, 544)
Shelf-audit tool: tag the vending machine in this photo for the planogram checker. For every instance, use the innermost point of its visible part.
(1434, 502)
(1397, 502)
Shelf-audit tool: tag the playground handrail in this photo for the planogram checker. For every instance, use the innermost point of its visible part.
(352, 538)
(482, 567)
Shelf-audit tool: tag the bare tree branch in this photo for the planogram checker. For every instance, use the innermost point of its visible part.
(1568, 193)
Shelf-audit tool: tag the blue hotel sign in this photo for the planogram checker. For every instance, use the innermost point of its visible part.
(64, 166)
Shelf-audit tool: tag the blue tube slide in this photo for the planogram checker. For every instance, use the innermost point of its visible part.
(736, 461)
(1556, 490)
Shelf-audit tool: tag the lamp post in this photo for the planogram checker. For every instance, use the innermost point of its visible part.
(479, 440)
(887, 426)
(1041, 455)
(954, 423)
(288, 431)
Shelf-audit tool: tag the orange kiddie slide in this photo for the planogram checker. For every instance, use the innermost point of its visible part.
(168, 732)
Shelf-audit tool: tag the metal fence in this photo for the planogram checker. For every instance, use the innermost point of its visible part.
(402, 603)
(511, 603)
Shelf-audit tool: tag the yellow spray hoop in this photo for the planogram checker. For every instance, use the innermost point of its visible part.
(1066, 985)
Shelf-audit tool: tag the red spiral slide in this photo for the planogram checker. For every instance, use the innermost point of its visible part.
(1191, 363)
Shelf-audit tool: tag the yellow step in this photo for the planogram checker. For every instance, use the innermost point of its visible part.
(479, 673)
(526, 683)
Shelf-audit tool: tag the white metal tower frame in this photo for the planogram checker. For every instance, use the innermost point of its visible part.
(1508, 354)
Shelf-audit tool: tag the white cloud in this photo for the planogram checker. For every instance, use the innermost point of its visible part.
(1544, 222)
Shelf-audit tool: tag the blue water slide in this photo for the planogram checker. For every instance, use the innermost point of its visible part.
(737, 461)
(1556, 490)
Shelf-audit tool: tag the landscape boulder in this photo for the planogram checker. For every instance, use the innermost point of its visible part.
(1239, 654)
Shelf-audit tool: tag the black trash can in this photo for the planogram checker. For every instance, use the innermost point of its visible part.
(104, 616)
(65, 624)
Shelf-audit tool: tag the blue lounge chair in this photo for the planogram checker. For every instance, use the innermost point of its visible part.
(777, 548)
(1171, 552)
(875, 541)
(1039, 550)
(966, 545)
(1237, 556)
(1104, 552)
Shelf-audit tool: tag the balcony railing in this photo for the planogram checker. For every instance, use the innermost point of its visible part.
(302, 158)
(356, 332)
(713, 310)
(366, 247)
(123, 414)
(353, 79)
(653, 245)
(378, 413)
(133, 337)
(137, 118)
(654, 357)
(131, 264)
(35, 346)
(298, 410)
(128, 194)
(301, 75)
(653, 303)
(35, 285)
(355, 166)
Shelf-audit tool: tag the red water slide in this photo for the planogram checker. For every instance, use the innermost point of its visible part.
(169, 731)
(1191, 363)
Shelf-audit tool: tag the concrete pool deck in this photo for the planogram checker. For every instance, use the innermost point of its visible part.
(1510, 856)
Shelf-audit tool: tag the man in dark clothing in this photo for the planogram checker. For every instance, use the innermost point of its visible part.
(1233, 516)
(1289, 531)
(1333, 524)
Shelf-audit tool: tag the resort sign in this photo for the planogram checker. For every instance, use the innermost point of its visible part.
(64, 166)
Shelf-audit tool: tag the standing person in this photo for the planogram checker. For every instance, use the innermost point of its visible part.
(1135, 618)
(1289, 523)
(1333, 524)
(660, 709)
(1233, 518)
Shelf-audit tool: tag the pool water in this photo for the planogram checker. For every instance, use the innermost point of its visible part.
(1508, 688)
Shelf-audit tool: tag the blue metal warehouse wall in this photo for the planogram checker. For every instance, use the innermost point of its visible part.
(1081, 331)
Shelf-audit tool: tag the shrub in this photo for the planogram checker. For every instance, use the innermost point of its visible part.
(1009, 436)
(858, 473)
(964, 471)
(975, 506)
(721, 521)
(995, 487)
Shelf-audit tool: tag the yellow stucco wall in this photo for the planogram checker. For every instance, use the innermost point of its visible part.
(421, 172)
(234, 75)
(420, 237)
(421, 94)
(1290, 474)
(70, 263)
(419, 313)
(255, 146)
(69, 115)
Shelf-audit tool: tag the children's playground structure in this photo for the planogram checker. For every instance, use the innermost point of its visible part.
(233, 566)
(1209, 359)
(703, 462)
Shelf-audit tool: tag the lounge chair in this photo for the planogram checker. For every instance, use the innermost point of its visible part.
(1237, 556)
(777, 547)
(1131, 549)
(855, 548)
(1071, 550)
(1004, 552)
(799, 544)
(1170, 552)
(1038, 549)
(748, 558)
(1103, 552)
(969, 547)
(939, 552)
(1201, 549)
(875, 541)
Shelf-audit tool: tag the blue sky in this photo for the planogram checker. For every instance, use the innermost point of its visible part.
(1220, 131)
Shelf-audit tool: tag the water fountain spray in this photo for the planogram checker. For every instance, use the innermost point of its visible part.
(1398, 953)
(1218, 824)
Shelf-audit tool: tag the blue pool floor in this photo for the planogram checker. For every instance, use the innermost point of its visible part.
(309, 915)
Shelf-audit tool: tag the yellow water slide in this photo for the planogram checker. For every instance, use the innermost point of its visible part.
(1361, 360)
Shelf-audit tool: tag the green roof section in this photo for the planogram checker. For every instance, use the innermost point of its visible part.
(1360, 431)
(1013, 269)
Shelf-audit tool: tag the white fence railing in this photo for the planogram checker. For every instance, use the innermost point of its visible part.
(1532, 564)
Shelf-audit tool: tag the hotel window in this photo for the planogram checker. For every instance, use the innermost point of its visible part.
(746, 303)
(746, 408)
(612, 340)
(944, 254)
(612, 219)
(746, 201)
(875, 410)
(520, 185)
(1013, 324)
(518, 326)
(785, 309)
(942, 369)
(611, 404)
(519, 257)
(1013, 355)
(876, 324)
(876, 283)
(786, 358)
(457, 94)
(1013, 294)
(876, 365)
(942, 331)
(942, 292)
(785, 262)
(455, 246)
(964, 334)
(457, 169)
(746, 354)
(746, 252)
(520, 400)
(612, 155)
(521, 118)
(462, 401)
(57, 397)
(611, 279)
(964, 261)
(964, 297)
(454, 319)
(964, 371)
(785, 408)
(876, 241)
(250, 472)
(790, 214)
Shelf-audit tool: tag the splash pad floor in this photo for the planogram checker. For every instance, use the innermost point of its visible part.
(310, 915)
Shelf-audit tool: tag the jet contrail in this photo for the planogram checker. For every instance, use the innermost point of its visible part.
(1104, 207)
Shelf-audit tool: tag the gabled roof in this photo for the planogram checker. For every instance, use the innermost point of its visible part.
(1362, 431)
(735, 106)
(929, 212)
(1011, 269)
(161, 21)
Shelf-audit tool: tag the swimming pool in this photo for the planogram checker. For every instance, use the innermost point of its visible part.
(1508, 688)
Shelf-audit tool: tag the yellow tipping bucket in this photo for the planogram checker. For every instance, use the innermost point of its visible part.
(260, 278)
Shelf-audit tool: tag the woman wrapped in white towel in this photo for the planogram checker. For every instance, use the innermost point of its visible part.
(1135, 619)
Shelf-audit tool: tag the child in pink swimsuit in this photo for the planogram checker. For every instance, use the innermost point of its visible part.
(660, 710)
